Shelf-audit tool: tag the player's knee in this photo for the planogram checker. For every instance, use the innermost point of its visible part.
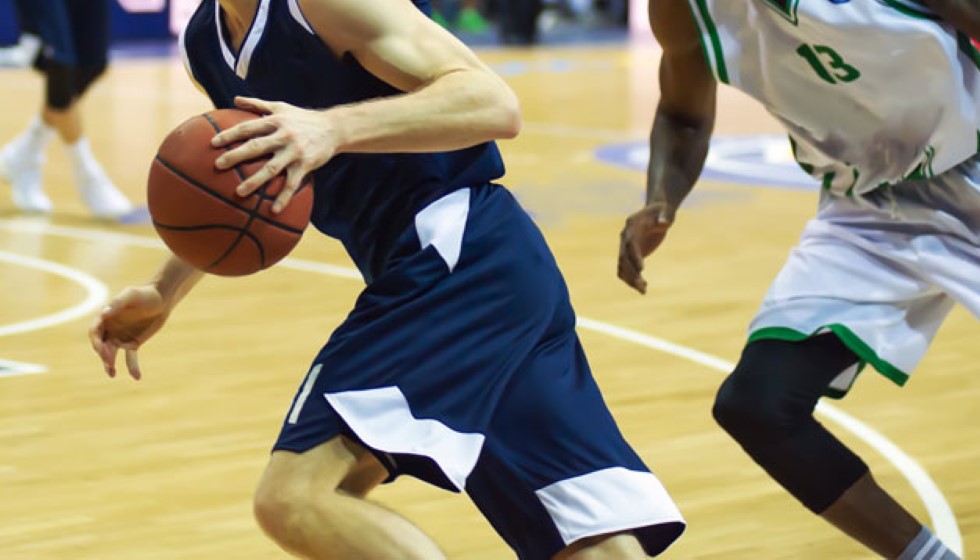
(751, 412)
(85, 76)
(60, 90)
(279, 507)
(282, 507)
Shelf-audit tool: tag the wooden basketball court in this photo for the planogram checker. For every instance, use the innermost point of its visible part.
(92, 468)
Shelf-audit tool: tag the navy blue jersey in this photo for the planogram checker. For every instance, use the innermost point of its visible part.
(364, 200)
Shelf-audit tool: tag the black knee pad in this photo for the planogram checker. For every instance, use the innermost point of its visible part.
(767, 405)
(60, 86)
(85, 76)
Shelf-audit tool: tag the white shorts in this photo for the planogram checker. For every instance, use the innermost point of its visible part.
(882, 271)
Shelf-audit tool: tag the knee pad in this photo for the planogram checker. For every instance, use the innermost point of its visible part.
(767, 405)
(60, 86)
(85, 76)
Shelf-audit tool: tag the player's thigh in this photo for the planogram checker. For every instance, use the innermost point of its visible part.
(555, 470)
(337, 464)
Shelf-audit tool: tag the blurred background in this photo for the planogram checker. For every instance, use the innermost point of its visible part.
(517, 22)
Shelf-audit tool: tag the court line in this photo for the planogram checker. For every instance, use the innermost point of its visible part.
(943, 520)
(97, 293)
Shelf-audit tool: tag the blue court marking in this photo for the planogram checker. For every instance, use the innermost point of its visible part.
(757, 160)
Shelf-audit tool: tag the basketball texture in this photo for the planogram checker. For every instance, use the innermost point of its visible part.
(197, 213)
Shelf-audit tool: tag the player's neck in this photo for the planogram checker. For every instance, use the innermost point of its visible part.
(238, 16)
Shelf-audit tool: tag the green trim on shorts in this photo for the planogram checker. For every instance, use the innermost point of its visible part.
(847, 336)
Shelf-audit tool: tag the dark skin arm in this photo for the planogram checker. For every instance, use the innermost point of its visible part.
(964, 15)
(679, 138)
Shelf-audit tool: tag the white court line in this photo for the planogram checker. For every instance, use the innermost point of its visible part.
(97, 293)
(943, 520)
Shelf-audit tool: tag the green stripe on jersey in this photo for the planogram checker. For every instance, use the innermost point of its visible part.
(703, 18)
(912, 8)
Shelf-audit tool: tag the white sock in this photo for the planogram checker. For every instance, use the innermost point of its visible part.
(83, 162)
(925, 546)
(33, 141)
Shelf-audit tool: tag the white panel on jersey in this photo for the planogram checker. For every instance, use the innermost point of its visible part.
(252, 40)
(383, 419)
(225, 51)
(297, 13)
(248, 45)
(442, 224)
(607, 501)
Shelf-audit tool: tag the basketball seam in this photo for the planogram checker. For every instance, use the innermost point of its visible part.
(252, 214)
(242, 233)
(210, 192)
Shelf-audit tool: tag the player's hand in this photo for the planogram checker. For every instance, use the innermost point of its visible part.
(643, 233)
(298, 141)
(125, 323)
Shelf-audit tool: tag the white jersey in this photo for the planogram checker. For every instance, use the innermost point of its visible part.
(871, 91)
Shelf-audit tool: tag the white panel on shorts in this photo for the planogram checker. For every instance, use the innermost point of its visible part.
(383, 419)
(842, 383)
(606, 501)
(442, 224)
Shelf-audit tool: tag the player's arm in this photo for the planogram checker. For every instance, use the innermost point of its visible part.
(138, 312)
(451, 99)
(678, 140)
(964, 15)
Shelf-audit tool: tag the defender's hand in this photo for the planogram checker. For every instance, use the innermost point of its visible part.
(643, 233)
(127, 322)
(298, 142)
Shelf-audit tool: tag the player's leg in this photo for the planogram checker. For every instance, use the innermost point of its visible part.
(556, 479)
(22, 158)
(89, 31)
(615, 546)
(312, 504)
(767, 405)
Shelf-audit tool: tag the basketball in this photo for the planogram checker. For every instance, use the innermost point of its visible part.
(197, 213)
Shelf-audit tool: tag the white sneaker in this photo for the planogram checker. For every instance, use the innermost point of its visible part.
(22, 54)
(24, 176)
(101, 195)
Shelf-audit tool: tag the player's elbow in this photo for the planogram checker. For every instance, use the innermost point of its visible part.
(506, 119)
(510, 118)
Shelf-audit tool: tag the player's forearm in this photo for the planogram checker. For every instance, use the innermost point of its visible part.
(964, 15)
(175, 279)
(678, 149)
(458, 110)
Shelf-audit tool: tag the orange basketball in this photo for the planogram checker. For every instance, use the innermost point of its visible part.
(197, 213)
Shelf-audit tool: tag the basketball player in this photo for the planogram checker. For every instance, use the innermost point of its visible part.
(459, 363)
(882, 103)
(74, 35)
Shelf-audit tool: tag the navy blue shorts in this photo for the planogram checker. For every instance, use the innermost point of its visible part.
(460, 365)
(74, 32)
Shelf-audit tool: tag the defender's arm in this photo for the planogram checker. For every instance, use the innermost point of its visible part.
(679, 139)
(964, 15)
